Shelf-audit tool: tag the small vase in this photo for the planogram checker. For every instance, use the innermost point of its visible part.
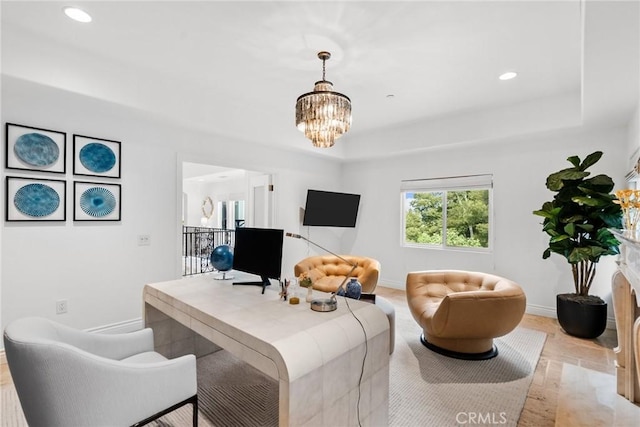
(353, 289)
(309, 293)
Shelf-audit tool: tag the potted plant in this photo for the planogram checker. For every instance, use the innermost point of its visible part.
(578, 220)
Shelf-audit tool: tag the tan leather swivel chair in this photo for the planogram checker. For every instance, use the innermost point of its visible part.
(328, 272)
(461, 312)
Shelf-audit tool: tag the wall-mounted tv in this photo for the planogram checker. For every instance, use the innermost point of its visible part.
(258, 251)
(330, 209)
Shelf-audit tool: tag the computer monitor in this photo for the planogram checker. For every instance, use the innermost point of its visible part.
(258, 251)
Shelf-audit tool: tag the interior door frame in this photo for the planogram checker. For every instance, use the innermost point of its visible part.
(262, 183)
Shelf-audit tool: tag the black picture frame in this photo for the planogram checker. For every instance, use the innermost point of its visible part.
(35, 149)
(96, 157)
(97, 201)
(35, 199)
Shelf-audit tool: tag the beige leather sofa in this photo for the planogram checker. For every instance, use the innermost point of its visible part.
(328, 272)
(461, 312)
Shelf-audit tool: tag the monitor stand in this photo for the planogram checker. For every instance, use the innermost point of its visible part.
(264, 283)
(224, 276)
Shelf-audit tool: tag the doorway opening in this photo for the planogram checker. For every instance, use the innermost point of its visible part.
(215, 201)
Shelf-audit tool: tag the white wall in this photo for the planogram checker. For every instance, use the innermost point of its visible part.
(633, 140)
(98, 267)
(195, 193)
(519, 167)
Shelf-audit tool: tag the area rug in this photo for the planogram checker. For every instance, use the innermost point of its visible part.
(426, 389)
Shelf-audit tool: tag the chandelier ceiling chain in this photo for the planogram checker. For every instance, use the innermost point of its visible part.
(323, 115)
(324, 56)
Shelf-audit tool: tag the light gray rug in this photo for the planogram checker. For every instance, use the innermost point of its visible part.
(426, 389)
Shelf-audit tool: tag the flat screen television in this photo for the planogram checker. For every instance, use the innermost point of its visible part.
(258, 251)
(330, 209)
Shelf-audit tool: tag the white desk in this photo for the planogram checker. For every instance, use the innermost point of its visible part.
(315, 357)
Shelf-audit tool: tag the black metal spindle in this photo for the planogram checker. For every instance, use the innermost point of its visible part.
(197, 245)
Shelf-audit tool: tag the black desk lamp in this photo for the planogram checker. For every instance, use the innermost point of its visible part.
(326, 304)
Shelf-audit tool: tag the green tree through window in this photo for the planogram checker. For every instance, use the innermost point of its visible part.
(462, 216)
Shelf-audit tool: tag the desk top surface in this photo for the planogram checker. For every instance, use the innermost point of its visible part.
(245, 306)
(264, 322)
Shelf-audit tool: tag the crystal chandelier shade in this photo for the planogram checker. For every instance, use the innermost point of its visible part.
(323, 115)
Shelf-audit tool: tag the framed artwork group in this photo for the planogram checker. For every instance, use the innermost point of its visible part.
(39, 198)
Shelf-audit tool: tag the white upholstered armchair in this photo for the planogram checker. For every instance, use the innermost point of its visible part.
(65, 377)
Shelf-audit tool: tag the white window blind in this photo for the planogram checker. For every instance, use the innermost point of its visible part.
(451, 183)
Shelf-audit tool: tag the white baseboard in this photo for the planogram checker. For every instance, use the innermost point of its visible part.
(120, 327)
(392, 284)
(539, 310)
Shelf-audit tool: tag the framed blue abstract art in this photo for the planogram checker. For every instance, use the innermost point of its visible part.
(35, 199)
(96, 157)
(35, 149)
(96, 201)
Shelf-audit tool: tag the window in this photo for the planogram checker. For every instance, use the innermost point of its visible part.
(447, 212)
(231, 214)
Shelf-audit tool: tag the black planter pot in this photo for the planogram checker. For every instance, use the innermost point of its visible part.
(580, 318)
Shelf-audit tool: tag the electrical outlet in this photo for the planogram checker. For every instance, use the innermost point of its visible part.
(61, 306)
(144, 240)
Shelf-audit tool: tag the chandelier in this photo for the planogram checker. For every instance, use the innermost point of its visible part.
(323, 115)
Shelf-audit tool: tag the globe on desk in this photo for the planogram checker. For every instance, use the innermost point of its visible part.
(222, 260)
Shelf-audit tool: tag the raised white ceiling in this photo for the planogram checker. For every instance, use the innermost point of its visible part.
(236, 68)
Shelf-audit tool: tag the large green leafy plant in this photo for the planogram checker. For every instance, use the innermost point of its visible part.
(579, 217)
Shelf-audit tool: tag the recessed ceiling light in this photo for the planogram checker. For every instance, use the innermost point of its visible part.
(77, 14)
(508, 75)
